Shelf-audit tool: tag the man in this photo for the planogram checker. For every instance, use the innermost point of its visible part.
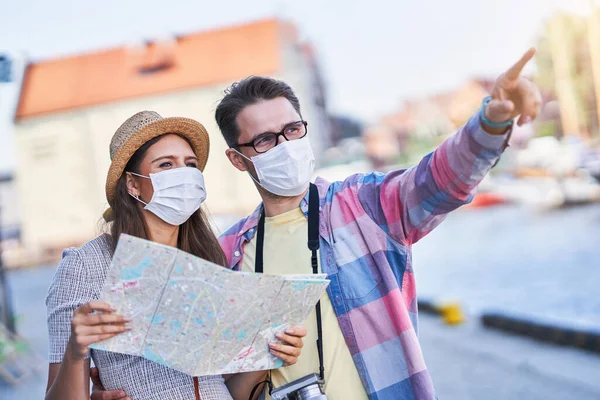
(367, 225)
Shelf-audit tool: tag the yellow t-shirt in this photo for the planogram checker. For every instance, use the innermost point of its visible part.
(285, 252)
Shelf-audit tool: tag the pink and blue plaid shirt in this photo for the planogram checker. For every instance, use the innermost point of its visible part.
(368, 225)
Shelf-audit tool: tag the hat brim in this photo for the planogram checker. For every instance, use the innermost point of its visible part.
(188, 128)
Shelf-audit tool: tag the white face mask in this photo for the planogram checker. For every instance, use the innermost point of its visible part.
(286, 169)
(178, 193)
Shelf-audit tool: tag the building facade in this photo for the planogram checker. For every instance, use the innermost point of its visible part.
(71, 107)
(426, 119)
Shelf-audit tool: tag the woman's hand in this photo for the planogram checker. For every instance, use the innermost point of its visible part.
(290, 349)
(88, 328)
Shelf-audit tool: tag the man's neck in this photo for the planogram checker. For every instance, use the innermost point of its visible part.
(276, 205)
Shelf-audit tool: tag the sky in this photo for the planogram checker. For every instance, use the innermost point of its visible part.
(372, 53)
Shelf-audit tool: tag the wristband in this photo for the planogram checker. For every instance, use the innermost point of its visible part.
(489, 123)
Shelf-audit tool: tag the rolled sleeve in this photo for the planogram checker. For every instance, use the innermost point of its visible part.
(408, 204)
(484, 139)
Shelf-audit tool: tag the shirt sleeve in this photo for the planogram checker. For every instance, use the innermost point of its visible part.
(409, 203)
(68, 290)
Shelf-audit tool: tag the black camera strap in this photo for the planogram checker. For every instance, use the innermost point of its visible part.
(313, 245)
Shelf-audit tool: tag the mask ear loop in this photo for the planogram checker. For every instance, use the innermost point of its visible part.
(137, 197)
(249, 159)
(141, 176)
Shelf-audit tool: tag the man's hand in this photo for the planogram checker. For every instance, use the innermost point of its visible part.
(291, 346)
(98, 392)
(514, 95)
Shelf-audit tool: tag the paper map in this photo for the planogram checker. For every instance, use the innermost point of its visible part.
(198, 317)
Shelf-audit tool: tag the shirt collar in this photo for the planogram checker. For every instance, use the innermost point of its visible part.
(252, 221)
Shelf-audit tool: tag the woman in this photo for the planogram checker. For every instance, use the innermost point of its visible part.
(155, 188)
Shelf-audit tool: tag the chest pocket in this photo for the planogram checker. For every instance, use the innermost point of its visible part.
(357, 270)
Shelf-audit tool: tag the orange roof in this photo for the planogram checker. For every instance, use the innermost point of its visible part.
(194, 60)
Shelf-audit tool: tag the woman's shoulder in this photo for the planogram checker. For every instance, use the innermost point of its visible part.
(91, 258)
(95, 248)
(80, 274)
(100, 245)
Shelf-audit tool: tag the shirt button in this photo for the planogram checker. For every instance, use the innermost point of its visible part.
(338, 300)
(252, 230)
(237, 253)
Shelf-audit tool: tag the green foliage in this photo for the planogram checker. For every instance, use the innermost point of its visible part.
(547, 128)
(415, 149)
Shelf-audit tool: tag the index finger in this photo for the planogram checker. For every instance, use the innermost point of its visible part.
(95, 306)
(292, 340)
(297, 331)
(514, 71)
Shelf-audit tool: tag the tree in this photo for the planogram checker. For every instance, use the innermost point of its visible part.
(565, 40)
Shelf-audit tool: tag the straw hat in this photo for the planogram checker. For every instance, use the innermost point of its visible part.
(143, 127)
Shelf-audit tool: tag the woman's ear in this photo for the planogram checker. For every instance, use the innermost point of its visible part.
(133, 186)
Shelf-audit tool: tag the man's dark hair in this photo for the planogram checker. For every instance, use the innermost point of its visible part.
(244, 93)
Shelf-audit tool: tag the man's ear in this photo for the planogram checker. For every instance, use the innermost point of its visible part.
(133, 186)
(236, 159)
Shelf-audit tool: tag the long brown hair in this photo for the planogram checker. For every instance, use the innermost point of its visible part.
(195, 235)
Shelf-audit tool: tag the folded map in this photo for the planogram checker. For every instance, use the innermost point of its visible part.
(198, 317)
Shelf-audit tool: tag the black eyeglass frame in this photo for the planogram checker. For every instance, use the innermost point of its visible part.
(277, 134)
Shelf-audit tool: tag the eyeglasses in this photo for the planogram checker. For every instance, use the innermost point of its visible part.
(266, 141)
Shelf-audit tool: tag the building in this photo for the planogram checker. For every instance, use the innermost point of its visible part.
(12, 66)
(70, 108)
(9, 209)
(343, 127)
(426, 119)
(11, 73)
(11, 252)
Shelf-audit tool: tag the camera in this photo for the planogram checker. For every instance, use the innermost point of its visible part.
(306, 388)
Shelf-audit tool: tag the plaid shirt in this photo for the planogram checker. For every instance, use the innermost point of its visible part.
(368, 224)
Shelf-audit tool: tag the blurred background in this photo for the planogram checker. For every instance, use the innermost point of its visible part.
(382, 83)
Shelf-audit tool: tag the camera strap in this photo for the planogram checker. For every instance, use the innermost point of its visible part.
(313, 245)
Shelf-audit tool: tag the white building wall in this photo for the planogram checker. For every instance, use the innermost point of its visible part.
(63, 158)
(55, 179)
